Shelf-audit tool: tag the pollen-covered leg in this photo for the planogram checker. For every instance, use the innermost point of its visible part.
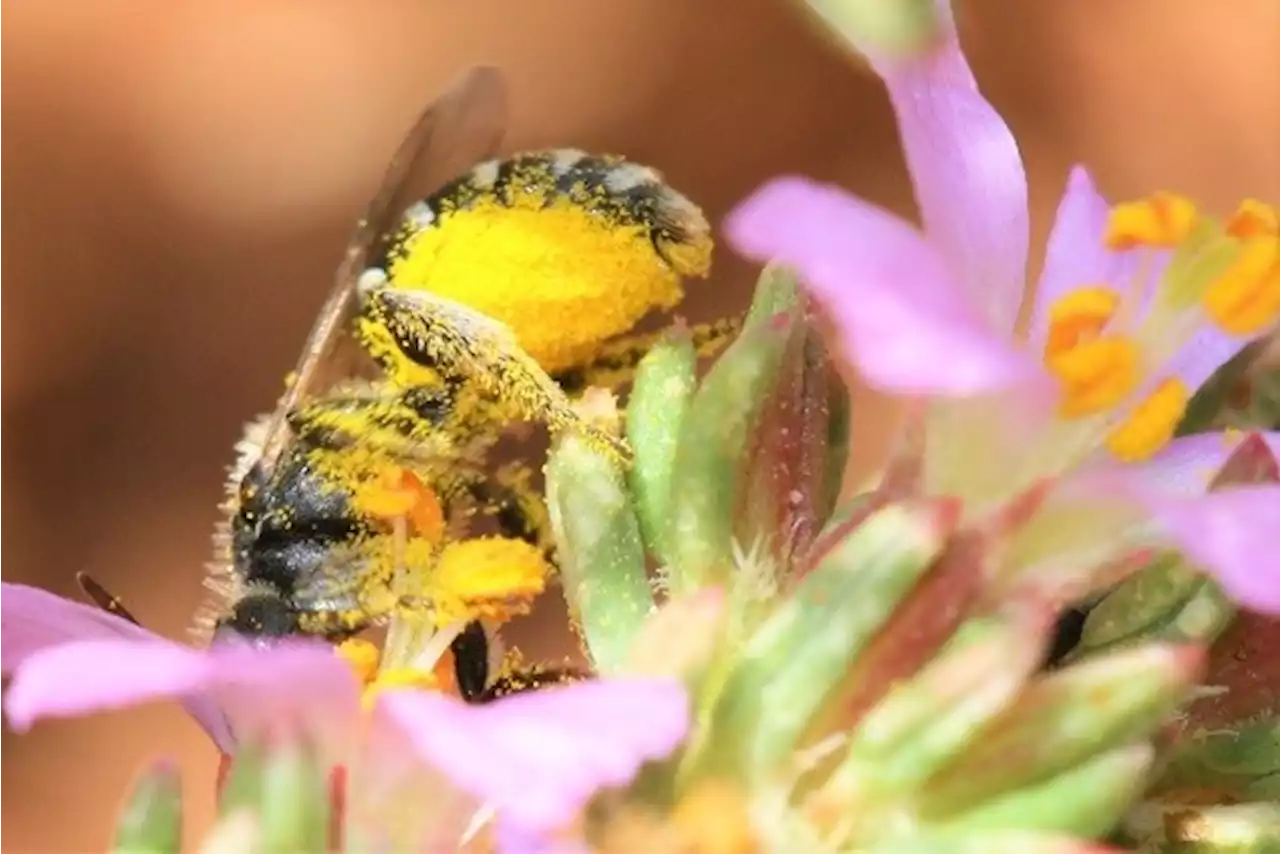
(410, 331)
(614, 365)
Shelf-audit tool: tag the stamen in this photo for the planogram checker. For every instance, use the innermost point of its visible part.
(1245, 300)
(1096, 375)
(400, 494)
(1079, 316)
(493, 577)
(1161, 220)
(399, 678)
(1151, 424)
(363, 657)
(1254, 219)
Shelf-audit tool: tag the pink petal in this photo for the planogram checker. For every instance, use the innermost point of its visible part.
(238, 691)
(32, 619)
(968, 176)
(1185, 466)
(903, 320)
(538, 758)
(1232, 535)
(1076, 257)
(1198, 359)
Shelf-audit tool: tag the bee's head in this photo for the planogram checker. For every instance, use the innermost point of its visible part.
(260, 619)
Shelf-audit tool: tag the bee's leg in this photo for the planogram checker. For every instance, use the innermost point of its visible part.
(471, 662)
(409, 331)
(614, 365)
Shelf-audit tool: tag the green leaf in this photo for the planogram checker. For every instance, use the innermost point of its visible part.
(664, 384)
(1088, 800)
(602, 560)
(802, 652)
(151, 821)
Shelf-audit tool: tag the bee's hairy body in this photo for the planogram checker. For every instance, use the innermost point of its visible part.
(302, 552)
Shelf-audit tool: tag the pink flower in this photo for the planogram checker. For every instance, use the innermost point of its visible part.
(535, 759)
(1119, 337)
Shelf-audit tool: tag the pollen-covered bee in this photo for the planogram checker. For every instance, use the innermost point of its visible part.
(448, 321)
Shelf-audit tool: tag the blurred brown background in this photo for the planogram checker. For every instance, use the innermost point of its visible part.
(179, 179)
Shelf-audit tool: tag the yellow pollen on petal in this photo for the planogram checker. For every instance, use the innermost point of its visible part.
(1151, 424)
(1245, 299)
(362, 656)
(565, 278)
(494, 577)
(1079, 316)
(1096, 375)
(1161, 220)
(1254, 219)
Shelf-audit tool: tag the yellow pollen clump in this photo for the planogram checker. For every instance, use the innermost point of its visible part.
(714, 819)
(1096, 375)
(399, 678)
(1245, 299)
(1254, 219)
(1151, 424)
(399, 493)
(1079, 316)
(494, 577)
(564, 278)
(362, 656)
(1161, 220)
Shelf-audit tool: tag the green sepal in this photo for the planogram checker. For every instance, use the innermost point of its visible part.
(1066, 717)
(785, 496)
(243, 786)
(601, 554)
(989, 842)
(799, 656)
(151, 820)
(1230, 761)
(714, 443)
(925, 722)
(886, 27)
(1167, 600)
(664, 384)
(1251, 828)
(1087, 800)
(294, 811)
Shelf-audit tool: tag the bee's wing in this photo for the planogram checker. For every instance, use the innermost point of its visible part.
(462, 127)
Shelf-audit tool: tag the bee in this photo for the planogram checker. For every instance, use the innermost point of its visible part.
(445, 326)
(442, 329)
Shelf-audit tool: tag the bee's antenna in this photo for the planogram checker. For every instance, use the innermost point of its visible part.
(104, 598)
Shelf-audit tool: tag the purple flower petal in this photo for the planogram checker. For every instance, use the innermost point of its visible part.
(968, 176)
(291, 688)
(1209, 349)
(1185, 467)
(904, 321)
(1076, 256)
(538, 758)
(32, 619)
(1232, 534)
